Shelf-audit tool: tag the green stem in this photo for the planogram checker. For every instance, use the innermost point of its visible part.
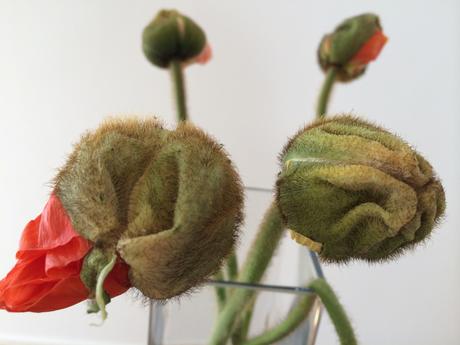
(336, 312)
(178, 81)
(232, 267)
(242, 329)
(325, 93)
(221, 294)
(263, 247)
(295, 317)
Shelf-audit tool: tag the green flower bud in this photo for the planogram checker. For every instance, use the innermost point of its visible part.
(172, 36)
(183, 215)
(168, 201)
(350, 189)
(352, 45)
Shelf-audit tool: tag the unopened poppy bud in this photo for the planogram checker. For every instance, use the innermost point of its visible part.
(349, 189)
(168, 202)
(352, 45)
(172, 36)
(183, 215)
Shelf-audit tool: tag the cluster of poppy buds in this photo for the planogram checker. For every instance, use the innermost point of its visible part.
(138, 205)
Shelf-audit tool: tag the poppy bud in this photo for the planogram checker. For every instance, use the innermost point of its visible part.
(349, 189)
(352, 45)
(183, 215)
(169, 202)
(172, 36)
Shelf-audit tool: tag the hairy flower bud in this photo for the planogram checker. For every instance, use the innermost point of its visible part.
(173, 36)
(352, 45)
(349, 189)
(168, 201)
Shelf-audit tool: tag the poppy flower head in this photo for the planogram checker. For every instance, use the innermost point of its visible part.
(46, 276)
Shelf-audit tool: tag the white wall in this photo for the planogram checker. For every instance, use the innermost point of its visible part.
(65, 65)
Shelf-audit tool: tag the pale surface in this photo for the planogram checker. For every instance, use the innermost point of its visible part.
(65, 65)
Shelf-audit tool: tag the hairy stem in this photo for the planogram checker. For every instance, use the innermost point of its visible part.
(336, 312)
(221, 293)
(290, 323)
(232, 267)
(178, 81)
(325, 93)
(242, 329)
(263, 247)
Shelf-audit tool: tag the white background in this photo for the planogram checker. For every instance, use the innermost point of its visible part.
(65, 65)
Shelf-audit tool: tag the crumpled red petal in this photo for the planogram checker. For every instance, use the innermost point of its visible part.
(48, 232)
(46, 276)
(371, 49)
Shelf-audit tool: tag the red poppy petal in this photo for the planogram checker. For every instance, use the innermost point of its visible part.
(117, 282)
(62, 256)
(25, 271)
(371, 49)
(51, 229)
(73, 268)
(63, 294)
(28, 288)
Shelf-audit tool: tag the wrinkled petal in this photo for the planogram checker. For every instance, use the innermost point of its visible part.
(47, 274)
(50, 230)
(63, 294)
(27, 285)
(61, 257)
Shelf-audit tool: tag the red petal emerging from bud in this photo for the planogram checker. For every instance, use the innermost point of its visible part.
(202, 58)
(205, 55)
(371, 49)
(46, 276)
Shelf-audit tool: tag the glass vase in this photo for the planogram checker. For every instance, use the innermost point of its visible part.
(190, 320)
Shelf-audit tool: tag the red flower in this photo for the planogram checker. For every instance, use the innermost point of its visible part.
(371, 49)
(46, 276)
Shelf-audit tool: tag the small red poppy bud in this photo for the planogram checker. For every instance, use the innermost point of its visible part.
(352, 45)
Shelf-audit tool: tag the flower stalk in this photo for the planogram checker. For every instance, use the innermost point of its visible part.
(262, 250)
(325, 92)
(180, 97)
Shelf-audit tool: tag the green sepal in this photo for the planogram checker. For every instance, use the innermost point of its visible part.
(93, 264)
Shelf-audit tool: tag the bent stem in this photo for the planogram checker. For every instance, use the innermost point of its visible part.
(336, 312)
(301, 311)
(325, 92)
(263, 247)
(242, 330)
(178, 81)
(290, 323)
(100, 300)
